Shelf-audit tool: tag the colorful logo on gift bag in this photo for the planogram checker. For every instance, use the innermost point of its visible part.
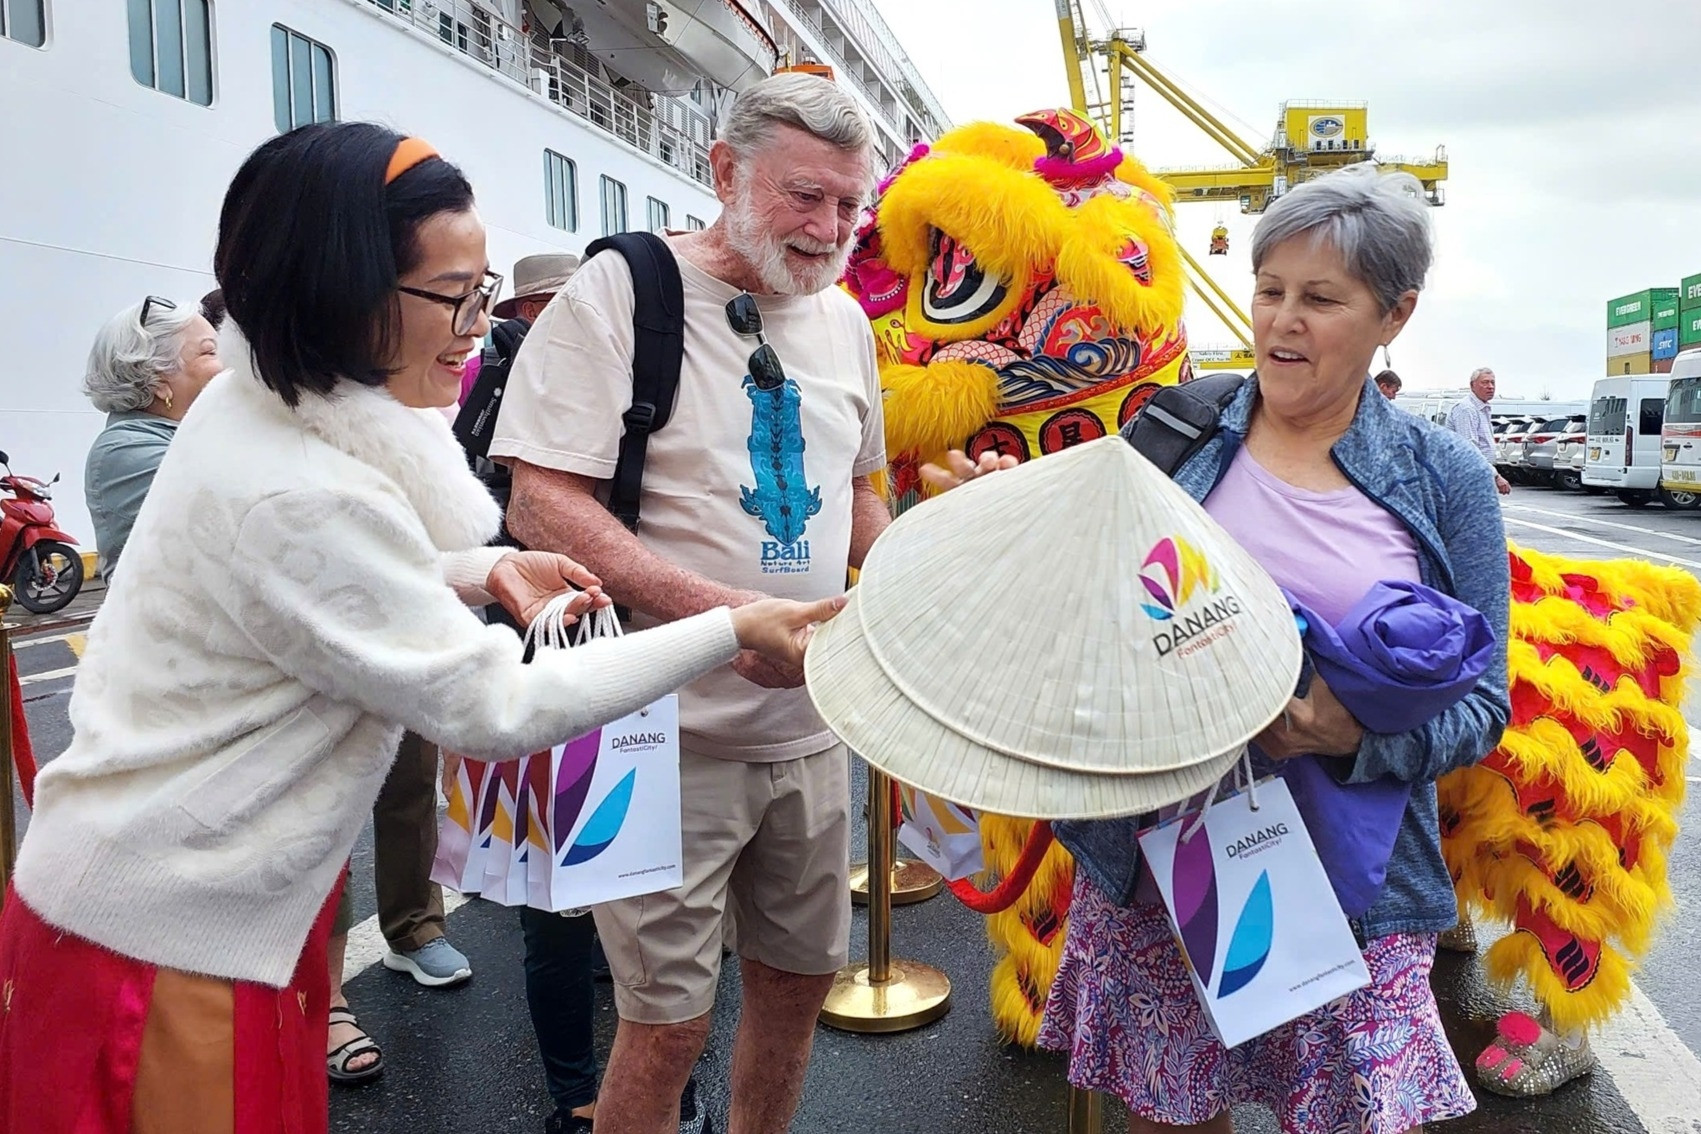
(1174, 571)
(573, 788)
(1193, 889)
(1253, 932)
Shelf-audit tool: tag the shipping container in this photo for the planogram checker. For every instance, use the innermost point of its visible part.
(1689, 294)
(1664, 344)
(1631, 364)
(1635, 339)
(1689, 328)
(1663, 365)
(1637, 307)
(1666, 314)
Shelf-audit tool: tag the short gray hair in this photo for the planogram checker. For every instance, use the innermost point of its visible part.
(812, 104)
(1378, 222)
(128, 359)
(1479, 372)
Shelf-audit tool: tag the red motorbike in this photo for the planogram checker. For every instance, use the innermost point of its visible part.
(39, 561)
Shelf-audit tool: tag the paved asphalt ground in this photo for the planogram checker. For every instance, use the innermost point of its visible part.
(461, 1061)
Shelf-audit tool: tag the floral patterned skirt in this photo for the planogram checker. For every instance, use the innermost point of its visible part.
(1123, 1007)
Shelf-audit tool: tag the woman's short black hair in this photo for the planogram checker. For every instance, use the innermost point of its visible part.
(312, 243)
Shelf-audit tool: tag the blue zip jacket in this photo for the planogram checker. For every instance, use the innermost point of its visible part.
(1435, 484)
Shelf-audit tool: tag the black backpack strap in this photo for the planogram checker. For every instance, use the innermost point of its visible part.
(475, 424)
(1177, 421)
(658, 320)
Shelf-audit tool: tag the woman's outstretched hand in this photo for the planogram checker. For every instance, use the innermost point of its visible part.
(525, 581)
(777, 631)
(958, 469)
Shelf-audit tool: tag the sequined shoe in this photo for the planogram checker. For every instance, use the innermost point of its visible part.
(1528, 1061)
(1462, 938)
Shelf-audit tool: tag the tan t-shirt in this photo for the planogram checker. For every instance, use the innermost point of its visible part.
(750, 488)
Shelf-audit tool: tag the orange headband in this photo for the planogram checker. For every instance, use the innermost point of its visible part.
(409, 153)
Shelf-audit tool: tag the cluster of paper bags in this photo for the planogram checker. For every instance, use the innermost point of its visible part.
(589, 821)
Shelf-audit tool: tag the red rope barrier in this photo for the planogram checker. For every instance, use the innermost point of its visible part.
(22, 755)
(1014, 884)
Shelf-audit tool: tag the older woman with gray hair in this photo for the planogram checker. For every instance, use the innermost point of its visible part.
(147, 365)
(1332, 489)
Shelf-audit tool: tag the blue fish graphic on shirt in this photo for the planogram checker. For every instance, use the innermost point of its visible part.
(781, 499)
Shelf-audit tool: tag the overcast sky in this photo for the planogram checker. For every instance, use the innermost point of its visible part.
(1573, 129)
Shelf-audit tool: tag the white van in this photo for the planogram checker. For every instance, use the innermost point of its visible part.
(1625, 416)
(1680, 441)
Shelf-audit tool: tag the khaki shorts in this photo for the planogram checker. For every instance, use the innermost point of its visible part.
(768, 844)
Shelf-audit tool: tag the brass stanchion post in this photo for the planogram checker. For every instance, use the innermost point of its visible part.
(911, 881)
(8, 816)
(883, 995)
(1086, 1111)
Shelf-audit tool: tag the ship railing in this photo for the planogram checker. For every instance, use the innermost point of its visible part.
(886, 55)
(669, 129)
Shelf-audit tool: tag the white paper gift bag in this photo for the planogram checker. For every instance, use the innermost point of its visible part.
(1253, 911)
(940, 833)
(612, 827)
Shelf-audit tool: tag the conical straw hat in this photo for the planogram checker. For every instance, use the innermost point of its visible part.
(1071, 638)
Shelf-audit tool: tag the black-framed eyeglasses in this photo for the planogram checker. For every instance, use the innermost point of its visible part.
(152, 302)
(745, 318)
(468, 306)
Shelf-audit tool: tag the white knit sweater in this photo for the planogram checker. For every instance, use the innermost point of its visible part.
(281, 615)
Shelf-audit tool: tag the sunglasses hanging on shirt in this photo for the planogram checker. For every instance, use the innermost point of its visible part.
(745, 318)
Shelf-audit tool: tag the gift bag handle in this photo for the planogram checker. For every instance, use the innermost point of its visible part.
(550, 628)
(1242, 767)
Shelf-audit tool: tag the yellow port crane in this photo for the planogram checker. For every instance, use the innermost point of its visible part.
(1311, 139)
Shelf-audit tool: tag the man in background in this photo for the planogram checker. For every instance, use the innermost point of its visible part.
(1469, 419)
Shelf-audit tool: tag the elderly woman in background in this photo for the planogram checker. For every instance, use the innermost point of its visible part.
(147, 365)
(1332, 489)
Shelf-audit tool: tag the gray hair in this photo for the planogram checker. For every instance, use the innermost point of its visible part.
(812, 104)
(1479, 372)
(128, 359)
(1377, 221)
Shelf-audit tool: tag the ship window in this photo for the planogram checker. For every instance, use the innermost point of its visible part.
(24, 21)
(171, 47)
(694, 224)
(613, 206)
(303, 80)
(561, 191)
(661, 215)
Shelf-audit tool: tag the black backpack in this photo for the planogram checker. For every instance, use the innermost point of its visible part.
(658, 322)
(1177, 421)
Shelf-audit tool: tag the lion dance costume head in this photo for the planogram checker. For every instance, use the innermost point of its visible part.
(1025, 290)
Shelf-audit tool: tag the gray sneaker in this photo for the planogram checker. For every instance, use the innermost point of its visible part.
(436, 964)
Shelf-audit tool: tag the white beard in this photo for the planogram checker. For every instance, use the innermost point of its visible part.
(766, 255)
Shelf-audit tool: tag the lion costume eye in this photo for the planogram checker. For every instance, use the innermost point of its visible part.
(957, 289)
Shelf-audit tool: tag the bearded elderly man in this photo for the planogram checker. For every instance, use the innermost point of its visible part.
(759, 485)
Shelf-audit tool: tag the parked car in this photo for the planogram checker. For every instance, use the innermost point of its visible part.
(1568, 465)
(1509, 452)
(1541, 444)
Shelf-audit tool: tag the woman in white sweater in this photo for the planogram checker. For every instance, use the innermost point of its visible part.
(289, 604)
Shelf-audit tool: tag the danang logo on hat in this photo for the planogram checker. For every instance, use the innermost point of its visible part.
(1187, 598)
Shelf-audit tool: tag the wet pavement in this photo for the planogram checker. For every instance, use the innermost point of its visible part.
(462, 1060)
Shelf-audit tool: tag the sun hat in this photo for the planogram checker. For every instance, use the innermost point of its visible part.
(543, 274)
(1072, 638)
